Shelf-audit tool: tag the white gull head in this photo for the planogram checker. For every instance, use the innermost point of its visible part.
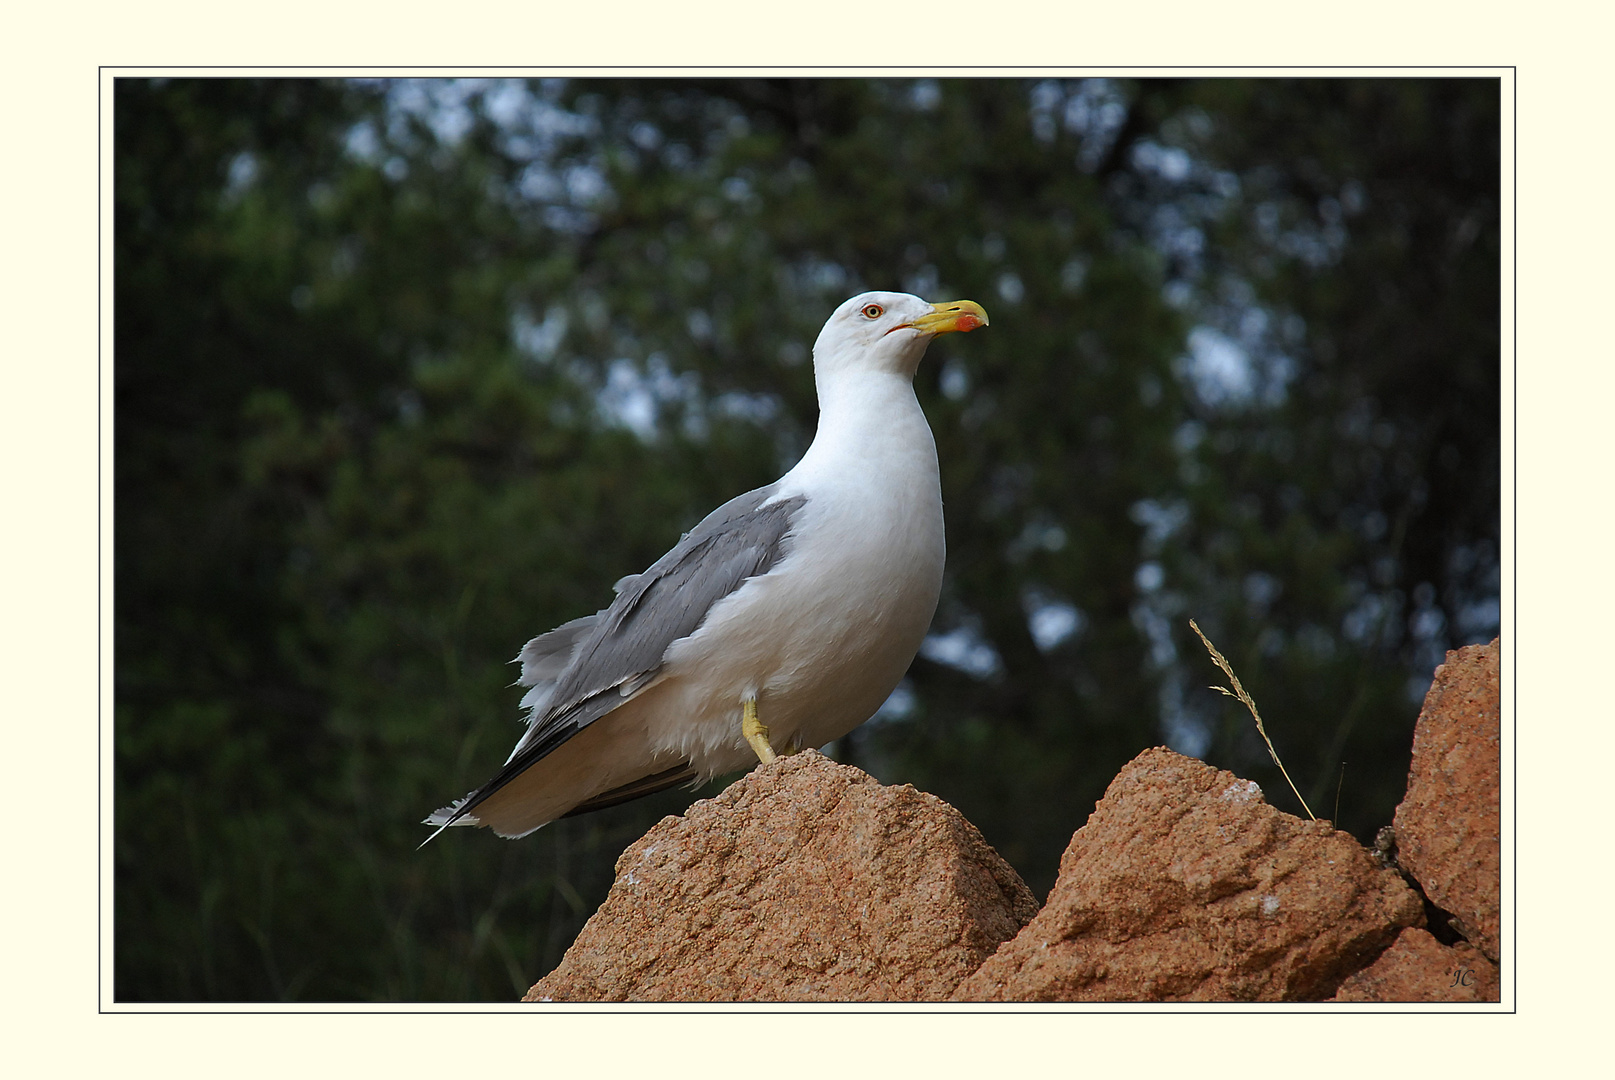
(888, 332)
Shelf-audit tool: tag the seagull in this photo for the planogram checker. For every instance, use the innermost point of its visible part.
(782, 621)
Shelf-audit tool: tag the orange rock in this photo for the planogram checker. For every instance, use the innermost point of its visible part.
(1185, 885)
(804, 881)
(1420, 968)
(1449, 828)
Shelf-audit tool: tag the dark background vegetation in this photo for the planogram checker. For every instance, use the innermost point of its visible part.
(409, 372)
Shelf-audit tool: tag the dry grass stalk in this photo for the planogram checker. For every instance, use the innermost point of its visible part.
(1238, 693)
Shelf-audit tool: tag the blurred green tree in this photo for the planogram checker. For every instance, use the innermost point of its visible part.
(408, 372)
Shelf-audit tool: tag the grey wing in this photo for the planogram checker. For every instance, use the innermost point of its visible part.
(545, 658)
(613, 653)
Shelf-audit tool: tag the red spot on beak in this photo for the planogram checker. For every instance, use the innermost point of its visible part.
(967, 323)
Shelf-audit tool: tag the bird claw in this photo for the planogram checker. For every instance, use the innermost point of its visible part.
(756, 734)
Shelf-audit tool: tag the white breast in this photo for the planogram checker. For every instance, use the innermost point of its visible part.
(822, 638)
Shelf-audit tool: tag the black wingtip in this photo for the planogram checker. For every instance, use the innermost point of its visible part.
(456, 813)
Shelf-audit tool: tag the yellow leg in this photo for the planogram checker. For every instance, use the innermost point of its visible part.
(755, 732)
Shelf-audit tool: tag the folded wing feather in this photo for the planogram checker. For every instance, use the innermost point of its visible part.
(583, 669)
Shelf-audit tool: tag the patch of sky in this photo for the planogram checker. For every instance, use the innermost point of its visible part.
(759, 409)
(634, 397)
(645, 135)
(1073, 274)
(923, 282)
(1175, 235)
(955, 380)
(1428, 622)
(1054, 624)
(584, 184)
(442, 104)
(242, 174)
(529, 126)
(699, 323)
(1095, 112)
(539, 183)
(1161, 518)
(1217, 368)
(449, 106)
(1051, 622)
(1010, 288)
(509, 102)
(1480, 620)
(679, 156)
(363, 142)
(548, 123)
(1316, 243)
(1046, 99)
(1260, 590)
(540, 340)
(899, 705)
(1041, 533)
(1427, 629)
(1181, 729)
(566, 219)
(1467, 558)
(925, 95)
(1154, 613)
(1150, 619)
(1236, 359)
(1427, 626)
(1168, 162)
(964, 649)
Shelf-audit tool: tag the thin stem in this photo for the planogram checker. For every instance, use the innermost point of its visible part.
(1239, 694)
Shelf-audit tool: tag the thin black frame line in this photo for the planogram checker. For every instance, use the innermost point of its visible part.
(1256, 1008)
(853, 67)
(100, 243)
(100, 540)
(1513, 646)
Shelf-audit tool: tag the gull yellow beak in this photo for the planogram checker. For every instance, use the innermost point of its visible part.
(955, 315)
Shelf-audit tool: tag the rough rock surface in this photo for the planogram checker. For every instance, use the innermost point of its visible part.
(804, 881)
(1449, 827)
(1185, 886)
(1420, 968)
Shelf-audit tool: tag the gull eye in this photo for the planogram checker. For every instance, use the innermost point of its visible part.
(874, 311)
